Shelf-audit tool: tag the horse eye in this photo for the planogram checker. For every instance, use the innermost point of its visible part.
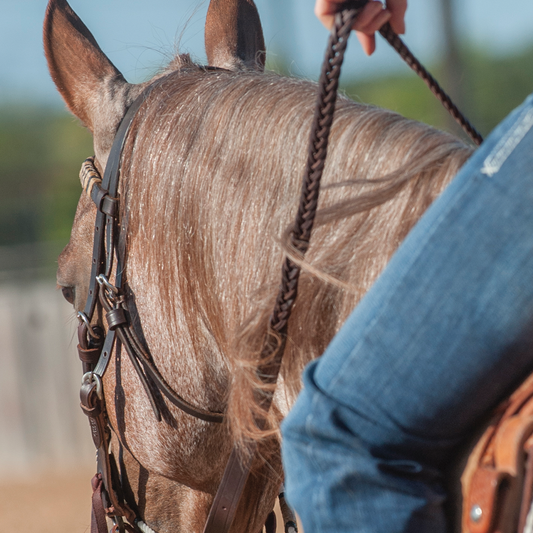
(69, 294)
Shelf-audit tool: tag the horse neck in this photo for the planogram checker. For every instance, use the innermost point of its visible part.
(211, 193)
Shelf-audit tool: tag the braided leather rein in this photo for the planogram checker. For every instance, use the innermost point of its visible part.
(239, 466)
(300, 235)
(318, 148)
(96, 357)
(394, 40)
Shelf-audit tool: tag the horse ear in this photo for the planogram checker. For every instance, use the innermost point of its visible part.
(233, 35)
(87, 80)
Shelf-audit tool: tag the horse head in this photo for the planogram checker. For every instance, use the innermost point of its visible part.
(209, 183)
(97, 93)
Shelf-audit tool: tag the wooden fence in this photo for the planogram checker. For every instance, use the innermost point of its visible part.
(41, 425)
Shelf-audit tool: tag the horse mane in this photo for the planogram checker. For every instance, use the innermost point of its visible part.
(211, 183)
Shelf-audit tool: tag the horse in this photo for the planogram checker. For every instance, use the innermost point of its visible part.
(210, 179)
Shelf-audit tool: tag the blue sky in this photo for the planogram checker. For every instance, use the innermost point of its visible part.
(138, 36)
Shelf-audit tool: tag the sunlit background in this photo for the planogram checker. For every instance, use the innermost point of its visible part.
(480, 50)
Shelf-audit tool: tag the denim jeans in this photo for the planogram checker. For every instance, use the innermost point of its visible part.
(445, 332)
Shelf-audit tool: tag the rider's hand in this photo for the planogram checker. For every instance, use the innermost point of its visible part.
(370, 20)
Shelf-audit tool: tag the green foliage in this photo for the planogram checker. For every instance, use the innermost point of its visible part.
(490, 89)
(404, 93)
(494, 87)
(40, 155)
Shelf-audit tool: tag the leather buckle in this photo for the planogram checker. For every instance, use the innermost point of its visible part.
(104, 203)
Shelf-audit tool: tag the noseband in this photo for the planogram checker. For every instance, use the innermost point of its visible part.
(95, 345)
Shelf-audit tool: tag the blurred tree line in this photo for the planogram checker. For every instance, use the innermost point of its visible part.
(488, 89)
(41, 150)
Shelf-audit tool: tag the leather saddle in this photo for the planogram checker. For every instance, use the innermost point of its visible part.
(497, 483)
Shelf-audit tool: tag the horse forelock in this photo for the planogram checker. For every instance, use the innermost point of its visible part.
(212, 182)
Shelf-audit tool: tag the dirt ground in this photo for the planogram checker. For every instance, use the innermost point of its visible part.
(49, 503)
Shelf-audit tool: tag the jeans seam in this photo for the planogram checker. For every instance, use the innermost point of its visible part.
(315, 496)
(506, 145)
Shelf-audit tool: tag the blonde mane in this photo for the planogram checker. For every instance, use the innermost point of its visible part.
(229, 150)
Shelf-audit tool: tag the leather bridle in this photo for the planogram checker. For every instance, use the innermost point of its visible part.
(96, 345)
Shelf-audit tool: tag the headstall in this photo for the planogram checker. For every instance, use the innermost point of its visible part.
(95, 345)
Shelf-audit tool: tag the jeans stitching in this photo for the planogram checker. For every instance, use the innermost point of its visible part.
(508, 143)
(316, 494)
